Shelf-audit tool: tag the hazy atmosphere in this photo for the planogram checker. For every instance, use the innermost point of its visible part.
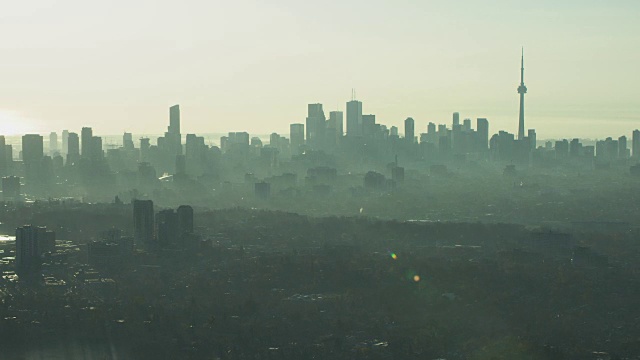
(287, 180)
(117, 65)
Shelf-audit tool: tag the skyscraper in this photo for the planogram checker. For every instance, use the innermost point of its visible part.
(622, 147)
(456, 118)
(635, 144)
(174, 119)
(127, 141)
(73, 148)
(96, 152)
(531, 134)
(409, 130)
(143, 221)
(336, 124)
(482, 130)
(354, 118)
(167, 227)
(32, 148)
(368, 125)
(65, 141)
(53, 143)
(521, 90)
(315, 125)
(171, 143)
(27, 256)
(32, 154)
(31, 243)
(185, 219)
(86, 138)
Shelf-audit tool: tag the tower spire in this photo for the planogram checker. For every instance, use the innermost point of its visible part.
(522, 89)
(522, 68)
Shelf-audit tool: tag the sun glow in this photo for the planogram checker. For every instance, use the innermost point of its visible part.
(12, 123)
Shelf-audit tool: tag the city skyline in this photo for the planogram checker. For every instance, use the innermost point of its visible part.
(258, 74)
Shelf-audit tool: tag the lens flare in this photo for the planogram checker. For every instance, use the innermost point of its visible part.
(416, 278)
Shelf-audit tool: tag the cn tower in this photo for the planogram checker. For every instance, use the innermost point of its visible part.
(521, 90)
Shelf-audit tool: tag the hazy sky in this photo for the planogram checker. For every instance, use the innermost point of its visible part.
(254, 65)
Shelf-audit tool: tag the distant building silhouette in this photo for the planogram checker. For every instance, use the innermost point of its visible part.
(185, 220)
(482, 129)
(315, 125)
(354, 118)
(11, 188)
(86, 138)
(635, 144)
(409, 130)
(53, 143)
(31, 243)
(143, 224)
(456, 119)
(262, 189)
(65, 141)
(73, 148)
(336, 124)
(167, 227)
(32, 155)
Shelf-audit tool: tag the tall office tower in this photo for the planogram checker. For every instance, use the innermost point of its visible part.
(354, 118)
(635, 143)
(466, 125)
(143, 224)
(336, 121)
(575, 148)
(53, 143)
(315, 125)
(195, 151)
(409, 130)
(11, 188)
(32, 154)
(456, 118)
(172, 138)
(86, 137)
(368, 125)
(185, 219)
(622, 147)
(531, 134)
(482, 131)
(431, 128)
(65, 141)
(393, 131)
(97, 153)
(521, 90)
(127, 141)
(174, 119)
(73, 148)
(167, 227)
(32, 148)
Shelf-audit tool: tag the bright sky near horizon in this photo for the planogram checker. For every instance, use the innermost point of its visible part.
(255, 65)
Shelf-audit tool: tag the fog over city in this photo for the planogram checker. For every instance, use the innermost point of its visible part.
(345, 180)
